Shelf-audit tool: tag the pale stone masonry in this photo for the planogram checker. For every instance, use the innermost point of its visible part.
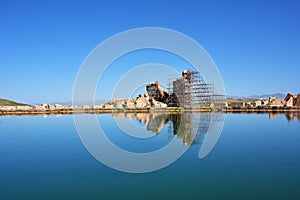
(289, 101)
(146, 102)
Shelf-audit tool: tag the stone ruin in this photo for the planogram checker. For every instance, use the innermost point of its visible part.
(289, 101)
(187, 91)
(155, 91)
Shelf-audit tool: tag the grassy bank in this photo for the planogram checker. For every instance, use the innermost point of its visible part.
(6, 102)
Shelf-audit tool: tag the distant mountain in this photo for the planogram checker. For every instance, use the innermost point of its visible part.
(6, 102)
(69, 103)
(262, 96)
(266, 96)
(234, 97)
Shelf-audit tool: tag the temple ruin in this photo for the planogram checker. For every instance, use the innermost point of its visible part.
(187, 91)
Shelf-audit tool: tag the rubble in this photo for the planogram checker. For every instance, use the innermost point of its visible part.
(155, 91)
(290, 101)
(297, 100)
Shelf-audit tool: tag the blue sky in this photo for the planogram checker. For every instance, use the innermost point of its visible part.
(255, 44)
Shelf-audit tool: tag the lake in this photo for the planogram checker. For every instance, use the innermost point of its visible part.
(256, 156)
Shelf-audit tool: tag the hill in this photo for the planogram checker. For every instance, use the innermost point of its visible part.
(266, 96)
(6, 102)
(260, 96)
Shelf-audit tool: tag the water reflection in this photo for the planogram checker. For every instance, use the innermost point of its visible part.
(290, 116)
(191, 128)
(273, 115)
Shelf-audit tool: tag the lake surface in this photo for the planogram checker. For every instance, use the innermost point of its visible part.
(257, 156)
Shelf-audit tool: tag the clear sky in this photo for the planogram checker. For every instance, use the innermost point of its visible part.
(255, 44)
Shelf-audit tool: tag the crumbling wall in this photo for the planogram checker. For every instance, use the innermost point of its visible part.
(155, 91)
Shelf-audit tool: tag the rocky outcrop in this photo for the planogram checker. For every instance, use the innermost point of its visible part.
(297, 100)
(154, 96)
(155, 91)
(172, 101)
(291, 100)
(274, 101)
(288, 96)
(142, 101)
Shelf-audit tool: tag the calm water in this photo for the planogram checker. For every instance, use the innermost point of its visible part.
(255, 158)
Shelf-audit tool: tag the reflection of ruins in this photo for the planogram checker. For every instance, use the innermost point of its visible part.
(190, 127)
(290, 116)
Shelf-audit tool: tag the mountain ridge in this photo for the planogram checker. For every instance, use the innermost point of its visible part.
(260, 96)
(6, 102)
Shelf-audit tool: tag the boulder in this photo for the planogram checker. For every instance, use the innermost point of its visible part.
(155, 91)
(172, 100)
(289, 102)
(257, 103)
(142, 102)
(298, 100)
(274, 101)
(288, 96)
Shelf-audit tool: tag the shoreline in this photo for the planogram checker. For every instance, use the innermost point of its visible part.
(167, 110)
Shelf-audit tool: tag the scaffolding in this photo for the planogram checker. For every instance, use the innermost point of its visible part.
(190, 91)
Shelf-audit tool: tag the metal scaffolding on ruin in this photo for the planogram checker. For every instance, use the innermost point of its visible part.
(191, 90)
